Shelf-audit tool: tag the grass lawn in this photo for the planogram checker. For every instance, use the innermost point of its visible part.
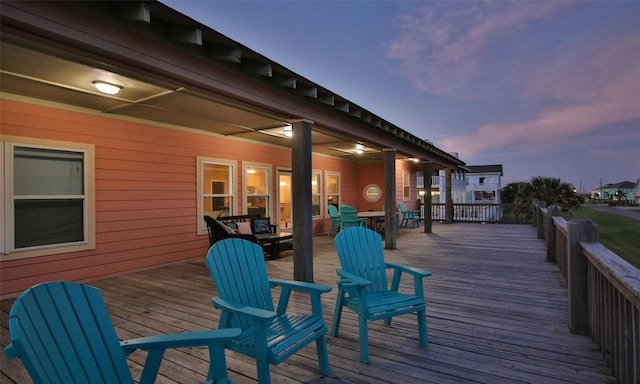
(618, 233)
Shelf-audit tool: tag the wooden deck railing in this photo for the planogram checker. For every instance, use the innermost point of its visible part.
(604, 290)
(484, 213)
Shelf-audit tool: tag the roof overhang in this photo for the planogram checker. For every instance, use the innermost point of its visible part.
(174, 70)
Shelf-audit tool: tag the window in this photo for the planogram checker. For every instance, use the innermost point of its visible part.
(258, 190)
(49, 203)
(316, 193)
(482, 180)
(484, 195)
(215, 189)
(333, 189)
(406, 185)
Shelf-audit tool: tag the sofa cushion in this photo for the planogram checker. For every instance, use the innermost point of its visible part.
(227, 228)
(260, 225)
(244, 227)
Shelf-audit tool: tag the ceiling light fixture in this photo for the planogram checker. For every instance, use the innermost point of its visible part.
(287, 131)
(108, 88)
(359, 149)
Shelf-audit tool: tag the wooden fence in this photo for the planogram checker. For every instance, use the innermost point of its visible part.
(604, 289)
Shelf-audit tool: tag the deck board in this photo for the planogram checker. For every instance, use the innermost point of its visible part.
(497, 313)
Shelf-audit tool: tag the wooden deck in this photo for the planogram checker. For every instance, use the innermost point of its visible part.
(497, 313)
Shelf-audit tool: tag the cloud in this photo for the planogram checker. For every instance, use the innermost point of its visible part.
(548, 131)
(446, 48)
(593, 88)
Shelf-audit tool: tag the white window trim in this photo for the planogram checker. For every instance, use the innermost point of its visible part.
(339, 194)
(89, 204)
(406, 177)
(200, 161)
(269, 188)
(318, 173)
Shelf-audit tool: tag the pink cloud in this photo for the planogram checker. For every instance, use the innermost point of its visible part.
(594, 89)
(550, 129)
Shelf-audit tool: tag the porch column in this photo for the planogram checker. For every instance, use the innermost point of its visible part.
(449, 202)
(426, 171)
(301, 201)
(390, 214)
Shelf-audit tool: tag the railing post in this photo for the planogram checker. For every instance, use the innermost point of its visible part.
(449, 200)
(540, 218)
(554, 210)
(426, 171)
(579, 231)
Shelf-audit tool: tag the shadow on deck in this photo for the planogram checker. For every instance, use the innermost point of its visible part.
(496, 310)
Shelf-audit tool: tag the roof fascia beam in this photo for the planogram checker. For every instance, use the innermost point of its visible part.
(327, 99)
(134, 11)
(225, 53)
(284, 80)
(342, 106)
(186, 35)
(257, 67)
(308, 91)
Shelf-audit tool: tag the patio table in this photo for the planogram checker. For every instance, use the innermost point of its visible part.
(371, 216)
(273, 243)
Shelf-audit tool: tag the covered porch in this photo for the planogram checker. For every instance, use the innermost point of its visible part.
(496, 311)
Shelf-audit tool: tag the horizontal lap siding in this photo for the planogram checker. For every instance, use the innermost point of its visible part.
(145, 179)
(348, 174)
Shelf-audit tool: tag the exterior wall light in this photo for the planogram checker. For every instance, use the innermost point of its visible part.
(107, 88)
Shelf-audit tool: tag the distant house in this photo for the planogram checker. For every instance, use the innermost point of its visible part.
(475, 184)
(484, 183)
(478, 184)
(622, 191)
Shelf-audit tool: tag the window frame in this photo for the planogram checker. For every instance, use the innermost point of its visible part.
(7, 237)
(317, 174)
(328, 174)
(406, 185)
(268, 194)
(201, 161)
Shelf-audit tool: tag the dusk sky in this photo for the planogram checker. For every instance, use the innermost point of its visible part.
(545, 88)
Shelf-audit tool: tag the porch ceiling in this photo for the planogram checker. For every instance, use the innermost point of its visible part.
(34, 73)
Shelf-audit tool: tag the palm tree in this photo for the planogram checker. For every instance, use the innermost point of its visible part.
(620, 194)
(513, 192)
(547, 189)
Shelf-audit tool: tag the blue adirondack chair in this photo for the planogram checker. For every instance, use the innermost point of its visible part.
(363, 285)
(335, 218)
(270, 336)
(349, 218)
(63, 334)
(409, 215)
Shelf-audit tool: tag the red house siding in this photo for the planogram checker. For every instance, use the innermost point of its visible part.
(145, 180)
(145, 192)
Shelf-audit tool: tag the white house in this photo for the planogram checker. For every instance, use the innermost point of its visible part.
(623, 191)
(483, 183)
(475, 184)
(471, 184)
